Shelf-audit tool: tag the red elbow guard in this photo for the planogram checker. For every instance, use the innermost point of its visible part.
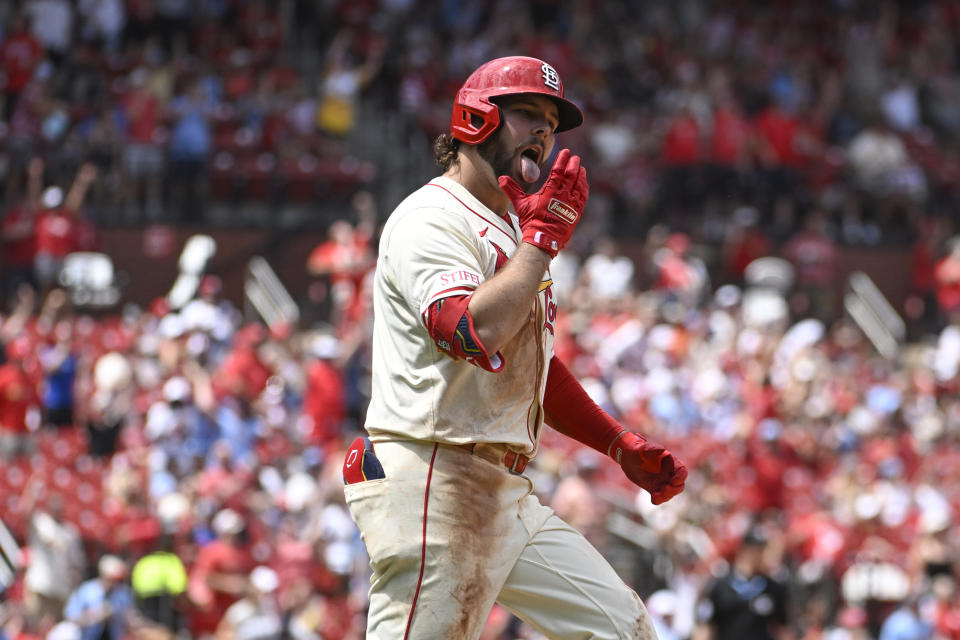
(450, 324)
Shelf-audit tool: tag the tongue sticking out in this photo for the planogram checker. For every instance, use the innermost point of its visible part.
(529, 169)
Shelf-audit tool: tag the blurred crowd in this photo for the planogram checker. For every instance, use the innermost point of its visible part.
(175, 472)
(823, 496)
(178, 104)
(693, 109)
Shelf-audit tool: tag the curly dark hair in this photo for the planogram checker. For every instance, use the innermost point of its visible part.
(445, 150)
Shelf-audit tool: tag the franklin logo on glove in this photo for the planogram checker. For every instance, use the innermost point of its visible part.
(565, 211)
(546, 220)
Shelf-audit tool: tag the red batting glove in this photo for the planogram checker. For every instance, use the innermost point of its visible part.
(548, 216)
(648, 465)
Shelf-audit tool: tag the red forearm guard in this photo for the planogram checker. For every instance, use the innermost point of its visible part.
(574, 413)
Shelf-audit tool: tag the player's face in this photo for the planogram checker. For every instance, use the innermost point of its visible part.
(529, 123)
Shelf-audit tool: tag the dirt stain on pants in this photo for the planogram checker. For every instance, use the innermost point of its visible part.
(474, 531)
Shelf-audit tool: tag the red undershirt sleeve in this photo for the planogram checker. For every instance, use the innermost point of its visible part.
(574, 413)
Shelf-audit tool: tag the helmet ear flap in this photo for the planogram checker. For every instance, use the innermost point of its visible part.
(467, 111)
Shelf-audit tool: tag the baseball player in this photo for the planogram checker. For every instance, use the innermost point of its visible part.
(464, 380)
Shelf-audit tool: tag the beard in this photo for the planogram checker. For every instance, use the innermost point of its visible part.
(503, 158)
(497, 155)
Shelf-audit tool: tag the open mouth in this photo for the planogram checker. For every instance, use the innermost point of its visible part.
(530, 163)
(533, 152)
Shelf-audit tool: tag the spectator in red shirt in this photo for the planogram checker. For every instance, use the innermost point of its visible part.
(18, 231)
(242, 373)
(682, 154)
(262, 30)
(682, 144)
(323, 398)
(340, 264)
(730, 144)
(746, 242)
(18, 234)
(945, 606)
(59, 225)
(219, 575)
(946, 274)
(816, 258)
(783, 142)
(20, 54)
(681, 276)
(18, 396)
(134, 528)
(142, 155)
(777, 130)
(921, 306)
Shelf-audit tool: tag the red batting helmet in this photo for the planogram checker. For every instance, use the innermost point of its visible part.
(509, 76)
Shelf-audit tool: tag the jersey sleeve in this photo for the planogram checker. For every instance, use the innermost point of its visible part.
(431, 255)
(436, 264)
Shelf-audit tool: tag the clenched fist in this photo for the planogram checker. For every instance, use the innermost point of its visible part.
(649, 466)
(549, 216)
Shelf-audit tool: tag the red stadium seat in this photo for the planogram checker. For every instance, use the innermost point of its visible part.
(89, 493)
(62, 450)
(15, 476)
(89, 469)
(92, 525)
(62, 480)
(300, 178)
(223, 176)
(258, 174)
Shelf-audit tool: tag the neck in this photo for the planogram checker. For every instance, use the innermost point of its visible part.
(476, 176)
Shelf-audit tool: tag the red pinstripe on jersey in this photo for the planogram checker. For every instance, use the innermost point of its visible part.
(423, 544)
(467, 207)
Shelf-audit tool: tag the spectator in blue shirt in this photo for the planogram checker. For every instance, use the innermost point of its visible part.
(191, 142)
(905, 623)
(60, 372)
(103, 606)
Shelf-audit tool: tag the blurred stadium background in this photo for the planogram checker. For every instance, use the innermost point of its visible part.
(766, 279)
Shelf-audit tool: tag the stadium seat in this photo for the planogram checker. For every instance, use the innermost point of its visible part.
(258, 174)
(223, 176)
(300, 178)
(89, 493)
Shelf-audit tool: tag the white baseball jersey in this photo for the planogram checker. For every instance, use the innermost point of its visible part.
(450, 533)
(439, 242)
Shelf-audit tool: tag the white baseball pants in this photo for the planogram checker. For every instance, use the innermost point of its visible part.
(449, 534)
